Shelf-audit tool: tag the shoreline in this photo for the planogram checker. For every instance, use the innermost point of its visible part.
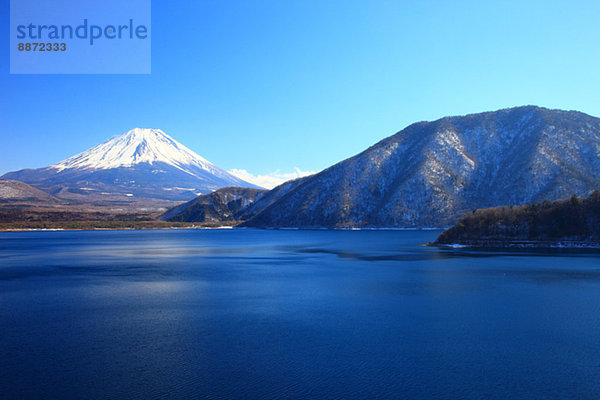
(192, 226)
(519, 244)
(110, 229)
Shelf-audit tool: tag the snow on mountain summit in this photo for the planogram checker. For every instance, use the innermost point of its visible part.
(138, 146)
(141, 163)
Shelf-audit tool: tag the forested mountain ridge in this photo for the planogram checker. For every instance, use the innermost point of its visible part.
(431, 173)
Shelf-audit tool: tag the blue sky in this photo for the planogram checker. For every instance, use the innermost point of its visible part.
(277, 85)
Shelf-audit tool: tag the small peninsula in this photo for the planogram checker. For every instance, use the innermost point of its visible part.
(568, 223)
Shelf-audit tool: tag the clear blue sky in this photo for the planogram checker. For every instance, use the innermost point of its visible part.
(266, 85)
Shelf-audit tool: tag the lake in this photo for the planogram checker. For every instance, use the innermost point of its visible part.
(266, 314)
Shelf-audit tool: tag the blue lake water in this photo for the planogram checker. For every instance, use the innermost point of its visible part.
(258, 314)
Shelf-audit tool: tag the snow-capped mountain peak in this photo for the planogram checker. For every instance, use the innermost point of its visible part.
(141, 163)
(134, 147)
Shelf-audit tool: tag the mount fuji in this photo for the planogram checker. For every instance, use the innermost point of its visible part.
(142, 164)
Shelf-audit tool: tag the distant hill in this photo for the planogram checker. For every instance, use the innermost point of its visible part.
(215, 207)
(269, 198)
(12, 191)
(222, 206)
(570, 222)
(139, 164)
(431, 173)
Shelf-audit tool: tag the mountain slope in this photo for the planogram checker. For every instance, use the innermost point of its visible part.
(141, 163)
(14, 191)
(223, 205)
(431, 173)
(269, 198)
(228, 204)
